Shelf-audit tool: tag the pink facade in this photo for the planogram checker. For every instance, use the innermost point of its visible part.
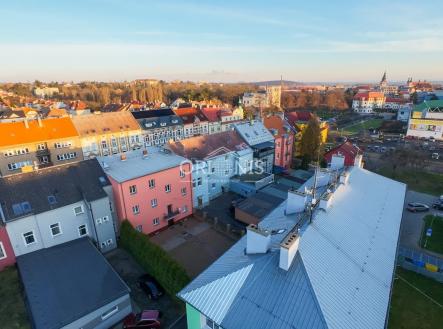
(7, 257)
(283, 150)
(150, 207)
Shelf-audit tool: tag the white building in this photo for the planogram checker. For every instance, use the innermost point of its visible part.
(215, 158)
(426, 120)
(366, 102)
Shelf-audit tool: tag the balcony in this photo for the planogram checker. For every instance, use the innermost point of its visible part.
(44, 152)
(45, 165)
(171, 215)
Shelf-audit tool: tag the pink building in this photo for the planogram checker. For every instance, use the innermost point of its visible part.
(152, 189)
(7, 257)
(284, 140)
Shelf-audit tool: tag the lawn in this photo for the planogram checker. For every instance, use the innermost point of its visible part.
(435, 241)
(365, 125)
(411, 309)
(420, 181)
(12, 308)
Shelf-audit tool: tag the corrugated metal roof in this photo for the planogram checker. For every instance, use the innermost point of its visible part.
(340, 278)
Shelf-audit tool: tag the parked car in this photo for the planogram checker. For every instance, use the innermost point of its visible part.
(417, 207)
(150, 286)
(435, 156)
(438, 205)
(145, 319)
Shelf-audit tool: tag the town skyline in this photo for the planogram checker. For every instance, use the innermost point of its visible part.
(220, 42)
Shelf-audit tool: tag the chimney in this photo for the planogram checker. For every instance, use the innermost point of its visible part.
(323, 177)
(145, 153)
(258, 241)
(337, 161)
(326, 200)
(344, 177)
(26, 123)
(296, 202)
(358, 161)
(40, 123)
(288, 250)
(123, 157)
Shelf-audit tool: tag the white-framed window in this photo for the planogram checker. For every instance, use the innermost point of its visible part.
(78, 210)
(183, 190)
(105, 219)
(2, 251)
(60, 145)
(18, 165)
(185, 209)
(135, 209)
(199, 181)
(109, 313)
(168, 188)
(211, 324)
(29, 238)
(182, 173)
(82, 230)
(66, 156)
(156, 221)
(132, 189)
(139, 228)
(103, 245)
(154, 203)
(55, 229)
(41, 146)
(151, 183)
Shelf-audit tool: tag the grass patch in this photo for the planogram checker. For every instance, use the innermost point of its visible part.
(12, 308)
(409, 308)
(420, 181)
(434, 242)
(365, 125)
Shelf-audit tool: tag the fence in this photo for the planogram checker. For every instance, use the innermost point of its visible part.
(422, 263)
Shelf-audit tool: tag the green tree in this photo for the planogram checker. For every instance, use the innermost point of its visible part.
(311, 139)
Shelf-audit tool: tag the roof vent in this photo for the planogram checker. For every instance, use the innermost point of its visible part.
(288, 250)
(296, 202)
(145, 153)
(258, 241)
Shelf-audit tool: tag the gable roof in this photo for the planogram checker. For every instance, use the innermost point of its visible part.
(154, 119)
(104, 123)
(254, 133)
(69, 184)
(207, 146)
(16, 133)
(345, 148)
(341, 276)
(426, 105)
(61, 289)
(277, 123)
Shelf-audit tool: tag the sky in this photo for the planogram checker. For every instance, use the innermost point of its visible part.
(221, 41)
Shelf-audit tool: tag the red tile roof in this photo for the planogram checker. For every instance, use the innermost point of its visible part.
(277, 123)
(297, 116)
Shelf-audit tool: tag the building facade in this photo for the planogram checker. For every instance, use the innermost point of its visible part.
(159, 126)
(366, 102)
(29, 145)
(284, 140)
(195, 122)
(7, 256)
(104, 134)
(426, 120)
(152, 189)
(215, 160)
(346, 150)
(57, 205)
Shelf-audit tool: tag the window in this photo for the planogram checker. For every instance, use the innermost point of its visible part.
(82, 230)
(29, 238)
(167, 188)
(154, 203)
(60, 145)
(55, 229)
(78, 210)
(185, 209)
(132, 189)
(151, 183)
(66, 156)
(183, 190)
(109, 313)
(213, 170)
(199, 181)
(156, 221)
(182, 173)
(109, 242)
(139, 228)
(213, 185)
(193, 183)
(2, 251)
(105, 219)
(18, 165)
(21, 208)
(135, 209)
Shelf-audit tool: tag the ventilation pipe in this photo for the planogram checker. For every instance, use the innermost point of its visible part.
(296, 202)
(258, 241)
(288, 250)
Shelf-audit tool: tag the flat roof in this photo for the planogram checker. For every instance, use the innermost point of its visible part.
(136, 165)
(66, 282)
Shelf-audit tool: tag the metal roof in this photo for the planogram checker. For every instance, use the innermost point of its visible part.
(340, 278)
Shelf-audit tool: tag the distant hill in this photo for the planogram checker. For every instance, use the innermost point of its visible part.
(276, 83)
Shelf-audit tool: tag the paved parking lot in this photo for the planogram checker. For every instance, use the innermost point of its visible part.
(130, 270)
(412, 223)
(194, 244)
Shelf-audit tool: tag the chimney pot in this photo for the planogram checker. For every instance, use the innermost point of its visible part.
(123, 157)
(258, 241)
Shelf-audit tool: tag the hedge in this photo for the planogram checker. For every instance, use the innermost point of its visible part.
(154, 260)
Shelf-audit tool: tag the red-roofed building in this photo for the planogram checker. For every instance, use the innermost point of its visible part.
(284, 140)
(195, 123)
(347, 150)
(7, 256)
(366, 102)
